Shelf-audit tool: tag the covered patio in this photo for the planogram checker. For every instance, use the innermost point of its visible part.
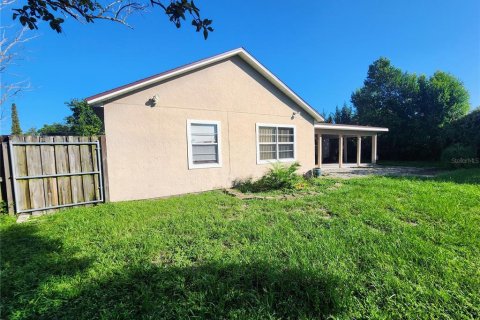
(339, 145)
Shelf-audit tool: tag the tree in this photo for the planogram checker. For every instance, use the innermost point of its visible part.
(447, 99)
(15, 121)
(442, 101)
(54, 129)
(344, 115)
(464, 131)
(83, 121)
(10, 42)
(414, 108)
(88, 11)
(382, 102)
(32, 132)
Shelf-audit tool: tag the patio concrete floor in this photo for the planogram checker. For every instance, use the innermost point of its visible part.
(356, 172)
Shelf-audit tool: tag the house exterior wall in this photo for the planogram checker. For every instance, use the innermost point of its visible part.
(147, 146)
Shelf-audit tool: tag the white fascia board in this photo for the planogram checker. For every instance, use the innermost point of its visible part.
(350, 128)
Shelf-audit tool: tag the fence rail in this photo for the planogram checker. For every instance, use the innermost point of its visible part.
(45, 173)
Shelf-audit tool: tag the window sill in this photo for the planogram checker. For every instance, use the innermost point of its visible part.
(204, 166)
(275, 161)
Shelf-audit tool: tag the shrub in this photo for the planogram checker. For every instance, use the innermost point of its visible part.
(245, 185)
(465, 131)
(459, 156)
(278, 177)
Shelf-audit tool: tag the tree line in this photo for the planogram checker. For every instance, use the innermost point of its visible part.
(82, 122)
(425, 115)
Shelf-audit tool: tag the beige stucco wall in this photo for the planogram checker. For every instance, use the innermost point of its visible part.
(147, 146)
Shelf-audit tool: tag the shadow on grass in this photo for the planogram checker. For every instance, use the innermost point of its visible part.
(207, 291)
(416, 164)
(29, 261)
(459, 176)
(155, 290)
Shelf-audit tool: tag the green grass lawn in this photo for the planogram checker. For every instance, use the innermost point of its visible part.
(375, 247)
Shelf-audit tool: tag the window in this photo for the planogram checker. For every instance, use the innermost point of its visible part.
(204, 148)
(275, 142)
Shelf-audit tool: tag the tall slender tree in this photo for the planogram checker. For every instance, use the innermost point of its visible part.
(15, 121)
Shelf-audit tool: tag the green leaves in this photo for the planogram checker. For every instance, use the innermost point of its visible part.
(82, 122)
(36, 10)
(90, 10)
(344, 115)
(414, 108)
(279, 177)
(176, 11)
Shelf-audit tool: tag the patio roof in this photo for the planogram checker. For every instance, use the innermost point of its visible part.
(342, 132)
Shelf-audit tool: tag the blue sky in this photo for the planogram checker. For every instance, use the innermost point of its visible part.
(321, 49)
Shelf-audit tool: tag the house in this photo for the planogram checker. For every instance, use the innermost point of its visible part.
(206, 124)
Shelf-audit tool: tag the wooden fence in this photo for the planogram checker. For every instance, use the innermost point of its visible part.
(40, 174)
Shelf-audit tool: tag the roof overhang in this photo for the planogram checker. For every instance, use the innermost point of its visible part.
(98, 99)
(345, 127)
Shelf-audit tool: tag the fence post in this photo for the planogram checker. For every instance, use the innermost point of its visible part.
(3, 191)
(7, 177)
(103, 151)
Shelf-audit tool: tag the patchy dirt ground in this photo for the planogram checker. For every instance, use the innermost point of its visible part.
(347, 173)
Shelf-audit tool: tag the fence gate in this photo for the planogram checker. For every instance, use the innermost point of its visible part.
(55, 172)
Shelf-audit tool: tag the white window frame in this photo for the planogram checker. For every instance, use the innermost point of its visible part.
(258, 125)
(192, 165)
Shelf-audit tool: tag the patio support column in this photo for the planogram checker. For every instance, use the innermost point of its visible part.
(374, 149)
(319, 151)
(340, 150)
(359, 150)
(345, 148)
